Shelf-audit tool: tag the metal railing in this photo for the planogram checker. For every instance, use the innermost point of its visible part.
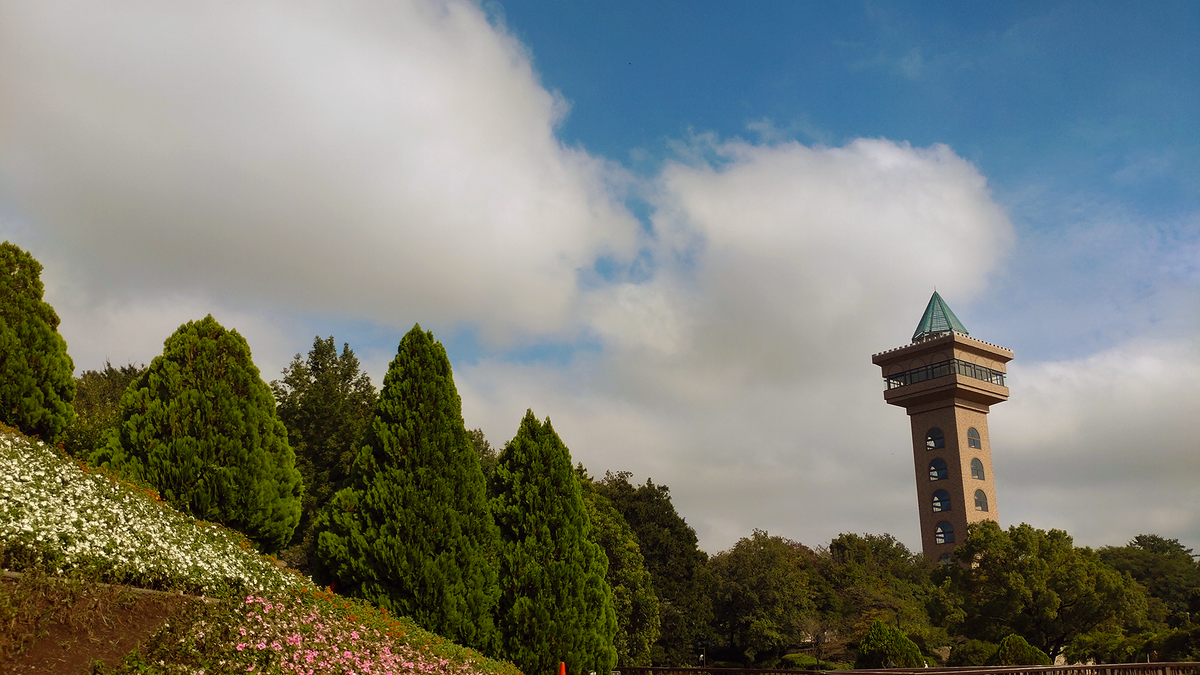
(942, 369)
(1182, 668)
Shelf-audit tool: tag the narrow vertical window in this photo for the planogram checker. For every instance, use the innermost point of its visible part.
(977, 469)
(980, 501)
(935, 439)
(943, 533)
(937, 469)
(941, 501)
(973, 438)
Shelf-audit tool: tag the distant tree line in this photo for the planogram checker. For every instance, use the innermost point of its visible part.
(386, 495)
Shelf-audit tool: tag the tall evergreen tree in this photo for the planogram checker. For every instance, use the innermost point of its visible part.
(199, 425)
(36, 383)
(555, 604)
(412, 532)
(675, 561)
(326, 402)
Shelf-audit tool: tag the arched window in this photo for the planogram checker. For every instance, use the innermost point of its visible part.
(977, 470)
(943, 533)
(937, 470)
(935, 439)
(941, 501)
(980, 501)
(973, 438)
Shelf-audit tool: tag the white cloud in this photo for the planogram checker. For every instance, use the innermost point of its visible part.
(1105, 447)
(394, 160)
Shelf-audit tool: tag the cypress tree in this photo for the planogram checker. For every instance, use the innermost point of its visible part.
(36, 383)
(199, 426)
(412, 532)
(555, 604)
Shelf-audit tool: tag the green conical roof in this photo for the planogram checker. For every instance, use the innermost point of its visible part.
(938, 319)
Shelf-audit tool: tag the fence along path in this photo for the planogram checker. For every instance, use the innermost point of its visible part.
(1182, 668)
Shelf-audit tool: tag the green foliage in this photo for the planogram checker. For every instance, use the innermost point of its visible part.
(1037, 584)
(869, 577)
(36, 384)
(488, 457)
(886, 647)
(413, 532)
(326, 402)
(1014, 650)
(634, 601)
(1167, 570)
(798, 661)
(555, 604)
(676, 564)
(199, 426)
(97, 407)
(761, 596)
(971, 653)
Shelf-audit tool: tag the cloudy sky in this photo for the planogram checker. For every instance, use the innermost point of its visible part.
(678, 229)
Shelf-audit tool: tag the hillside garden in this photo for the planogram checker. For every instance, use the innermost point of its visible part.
(316, 525)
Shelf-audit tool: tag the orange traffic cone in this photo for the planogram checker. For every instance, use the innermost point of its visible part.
(562, 668)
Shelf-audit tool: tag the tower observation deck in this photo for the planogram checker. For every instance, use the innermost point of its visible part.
(947, 381)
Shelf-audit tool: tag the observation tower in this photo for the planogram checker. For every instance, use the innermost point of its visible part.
(947, 381)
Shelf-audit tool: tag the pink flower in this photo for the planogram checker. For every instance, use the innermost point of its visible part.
(241, 647)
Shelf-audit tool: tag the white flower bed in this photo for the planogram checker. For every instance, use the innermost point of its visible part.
(49, 502)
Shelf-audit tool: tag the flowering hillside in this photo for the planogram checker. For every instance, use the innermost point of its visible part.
(66, 518)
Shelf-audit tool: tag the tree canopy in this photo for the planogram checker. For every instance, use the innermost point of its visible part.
(1039, 585)
(413, 532)
(36, 374)
(326, 402)
(555, 604)
(634, 601)
(97, 406)
(199, 425)
(762, 596)
(676, 564)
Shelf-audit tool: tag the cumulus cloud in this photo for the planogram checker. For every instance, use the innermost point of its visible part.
(1113, 433)
(384, 159)
(740, 374)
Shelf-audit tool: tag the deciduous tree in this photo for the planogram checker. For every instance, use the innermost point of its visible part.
(761, 596)
(97, 406)
(634, 601)
(1039, 585)
(676, 564)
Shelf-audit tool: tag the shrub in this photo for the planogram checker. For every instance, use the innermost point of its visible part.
(886, 647)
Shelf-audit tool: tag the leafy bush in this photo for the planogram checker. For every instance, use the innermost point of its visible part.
(1014, 650)
(886, 647)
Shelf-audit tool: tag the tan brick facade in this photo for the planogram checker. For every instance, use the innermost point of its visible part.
(954, 403)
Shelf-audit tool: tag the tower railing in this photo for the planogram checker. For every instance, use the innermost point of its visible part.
(942, 369)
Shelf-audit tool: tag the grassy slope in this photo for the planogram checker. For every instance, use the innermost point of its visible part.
(60, 516)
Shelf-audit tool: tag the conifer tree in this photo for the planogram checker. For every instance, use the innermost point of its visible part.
(555, 604)
(326, 402)
(413, 533)
(36, 383)
(199, 425)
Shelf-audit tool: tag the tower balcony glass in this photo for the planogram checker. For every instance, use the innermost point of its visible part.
(942, 369)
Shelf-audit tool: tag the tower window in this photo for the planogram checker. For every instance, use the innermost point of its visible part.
(941, 501)
(980, 501)
(977, 470)
(943, 533)
(935, 439)
(937, 470)
(973, 438)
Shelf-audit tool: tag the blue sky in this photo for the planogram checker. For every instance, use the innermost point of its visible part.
(677, 229)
